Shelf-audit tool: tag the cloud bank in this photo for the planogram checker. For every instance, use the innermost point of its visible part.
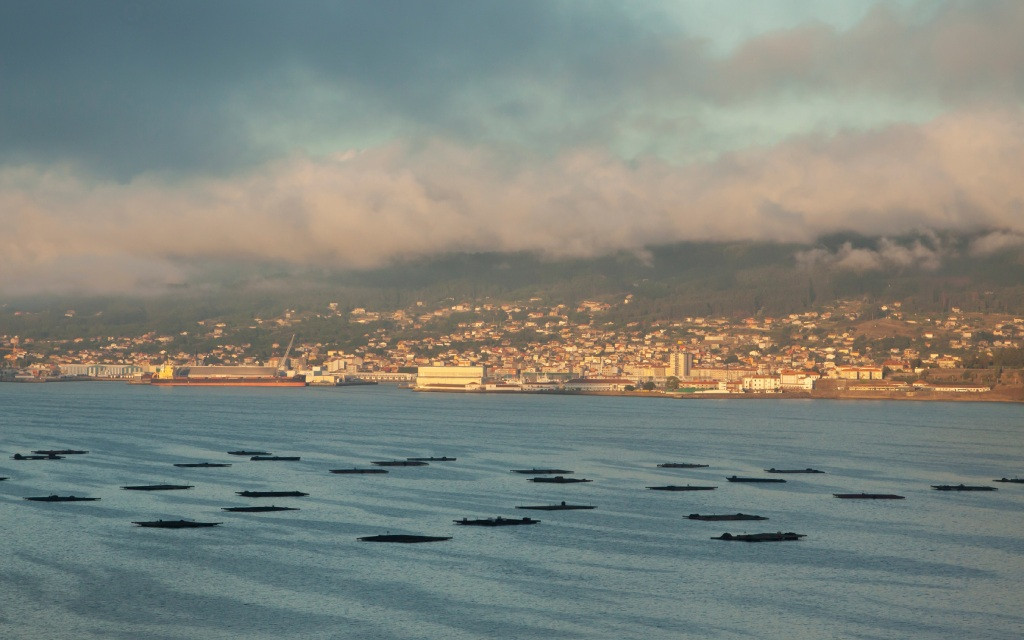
(141, 138)
(996, 242)
(362, 209)
(890, 255)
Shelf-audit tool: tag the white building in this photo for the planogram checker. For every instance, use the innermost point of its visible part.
(722, 373)
(860, 373)
(798, 380)
(344, 364)
(598, 384)
(762, 384)
(953, 388)
(450, 378)
(102, 370)
(646, 374)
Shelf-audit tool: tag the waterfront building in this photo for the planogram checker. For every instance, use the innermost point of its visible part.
(798, 379)
(700, 386)
(952, 388)
(450, 378)
(874, 385)
(598, 384)
(728, 374)
(859, 373)
(103, 371)
(762, 384)
(398, 377)
(643, 374)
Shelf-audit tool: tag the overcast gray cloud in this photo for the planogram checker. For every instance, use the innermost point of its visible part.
(194, 86)
(137, 136)
(954, 52)
(360, 209)
(127, 87)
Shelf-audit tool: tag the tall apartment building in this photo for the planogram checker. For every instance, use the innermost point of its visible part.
(679, 364)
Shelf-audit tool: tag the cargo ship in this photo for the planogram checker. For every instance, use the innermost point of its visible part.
(214, 376)
(228, 376)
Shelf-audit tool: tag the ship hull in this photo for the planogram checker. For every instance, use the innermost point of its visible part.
(228, 382)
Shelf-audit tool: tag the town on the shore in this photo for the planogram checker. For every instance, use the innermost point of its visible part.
(847, 349)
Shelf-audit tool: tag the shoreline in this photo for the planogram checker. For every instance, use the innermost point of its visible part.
(1003, 395)
(1009, 395)
(830, 395)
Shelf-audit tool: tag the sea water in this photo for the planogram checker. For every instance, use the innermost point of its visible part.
(935, 565)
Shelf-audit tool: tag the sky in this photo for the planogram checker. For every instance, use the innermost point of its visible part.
(139, 140)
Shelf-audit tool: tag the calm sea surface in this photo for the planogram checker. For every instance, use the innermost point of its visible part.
(935, 565)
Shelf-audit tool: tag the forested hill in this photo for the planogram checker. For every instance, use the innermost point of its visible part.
(926, 273)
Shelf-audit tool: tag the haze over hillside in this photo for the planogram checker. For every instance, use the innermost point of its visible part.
(926, 272)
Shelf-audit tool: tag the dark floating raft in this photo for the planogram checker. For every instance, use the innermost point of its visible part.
(359, 470)
(807, 470)
(559, 480)
(258, 509)
(399, 463)
(681, 465)
(868, 496)
(158, 487)
(761, 537)
(59, 452)
(277, 458)
(56, 498)
(748, 479)
(724, 517)
(243, 452)
(688, 487)
(962, 487)
(271, 494)
(557, 507)
(41, 456)
(202, 465)
(175, 524)
(496, 522)
(543, 472)
(404, 538)
(1014, 480)
(437, 459)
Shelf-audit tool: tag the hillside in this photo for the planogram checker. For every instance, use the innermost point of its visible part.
(926, 274)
